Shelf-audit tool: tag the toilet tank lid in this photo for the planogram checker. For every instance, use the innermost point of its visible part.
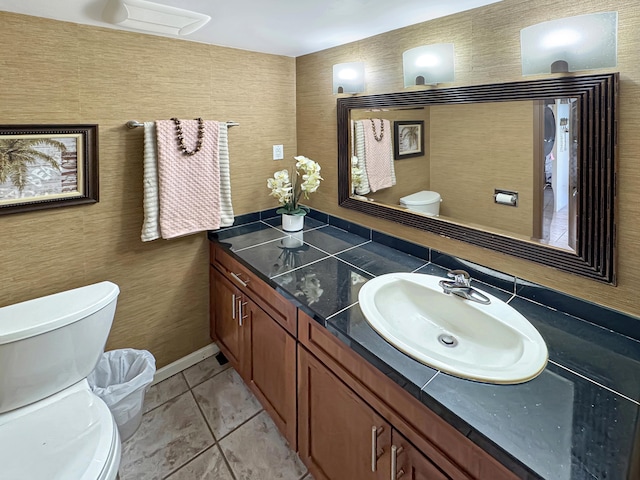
(41, 315)
(421, 198)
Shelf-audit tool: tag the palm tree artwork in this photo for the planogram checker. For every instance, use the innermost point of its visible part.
(410, 137)
(18, 155)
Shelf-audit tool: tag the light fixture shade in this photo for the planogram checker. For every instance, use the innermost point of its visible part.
(428, 64)
(348, 77)
(584, 42)
(153, 17)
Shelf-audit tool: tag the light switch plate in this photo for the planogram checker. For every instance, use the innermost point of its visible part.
(278, 152)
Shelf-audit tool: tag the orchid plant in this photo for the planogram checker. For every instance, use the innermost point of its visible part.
(288, 190)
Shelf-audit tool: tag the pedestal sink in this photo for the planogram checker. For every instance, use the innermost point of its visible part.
(488, 343)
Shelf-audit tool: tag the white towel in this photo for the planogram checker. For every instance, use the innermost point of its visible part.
(226, 209)
(151, 225)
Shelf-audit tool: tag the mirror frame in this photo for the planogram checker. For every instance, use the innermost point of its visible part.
(597, 183)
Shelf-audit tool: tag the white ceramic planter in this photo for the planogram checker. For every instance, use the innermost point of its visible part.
(292, 223)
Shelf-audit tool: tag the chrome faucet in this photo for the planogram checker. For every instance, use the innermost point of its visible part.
(461, 286)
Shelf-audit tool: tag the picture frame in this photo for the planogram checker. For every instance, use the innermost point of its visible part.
(47, 166)
(408, 139)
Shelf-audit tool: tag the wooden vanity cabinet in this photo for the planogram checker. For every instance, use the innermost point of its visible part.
(225, 327)
(431, 448)
(345, 418)
(339, 435)
(250, 332)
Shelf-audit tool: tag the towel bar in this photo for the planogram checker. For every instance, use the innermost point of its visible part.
(135, 123)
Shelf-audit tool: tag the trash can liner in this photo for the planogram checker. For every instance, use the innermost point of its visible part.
(121, 379)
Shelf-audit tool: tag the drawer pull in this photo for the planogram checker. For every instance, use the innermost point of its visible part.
(395, 473)
(236, 276)
(242, 316)
(375, 431)
(233, 309)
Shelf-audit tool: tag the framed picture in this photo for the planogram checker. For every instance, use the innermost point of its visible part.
(47, 166)
(408, 139)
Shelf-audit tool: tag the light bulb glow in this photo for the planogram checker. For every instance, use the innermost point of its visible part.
(427, 60)
(348, 77)
(583, 42)
(348, 74)
(561, 38)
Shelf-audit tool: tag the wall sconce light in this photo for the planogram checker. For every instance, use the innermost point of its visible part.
(584, 42)
(348, 77)
(429, 64)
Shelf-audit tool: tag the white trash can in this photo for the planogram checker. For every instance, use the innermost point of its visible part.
(120, 379)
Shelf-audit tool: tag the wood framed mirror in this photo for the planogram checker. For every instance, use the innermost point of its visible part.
(590, 195)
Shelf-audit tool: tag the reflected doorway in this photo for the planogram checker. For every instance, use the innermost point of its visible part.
(556, 172)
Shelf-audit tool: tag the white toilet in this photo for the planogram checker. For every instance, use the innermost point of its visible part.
(425, 202)
(52, 427)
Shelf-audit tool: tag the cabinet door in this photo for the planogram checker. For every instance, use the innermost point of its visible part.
(226, 326)
(409, 464)
(270, 367)
(336, 435)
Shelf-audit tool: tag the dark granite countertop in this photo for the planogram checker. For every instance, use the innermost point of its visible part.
(579, 419)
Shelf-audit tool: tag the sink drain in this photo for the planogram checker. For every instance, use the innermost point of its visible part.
(447, 340)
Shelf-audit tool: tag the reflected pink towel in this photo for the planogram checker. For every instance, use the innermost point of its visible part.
(379, 154)
(189, 186)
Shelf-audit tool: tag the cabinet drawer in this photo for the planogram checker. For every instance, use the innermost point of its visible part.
(279, 308)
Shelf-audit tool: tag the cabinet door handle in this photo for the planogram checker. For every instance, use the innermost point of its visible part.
(375, 431)
(395, 473)
(233, 309)
(242, 304)
(236, 276)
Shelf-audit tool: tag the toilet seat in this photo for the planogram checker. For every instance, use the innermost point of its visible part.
(68, 436)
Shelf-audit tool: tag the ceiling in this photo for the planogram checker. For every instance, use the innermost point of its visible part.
(281, 27)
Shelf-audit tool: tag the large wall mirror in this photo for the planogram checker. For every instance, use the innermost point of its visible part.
(525, 168)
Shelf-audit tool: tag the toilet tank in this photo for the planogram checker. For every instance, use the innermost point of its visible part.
(425, 202)
(47, 344)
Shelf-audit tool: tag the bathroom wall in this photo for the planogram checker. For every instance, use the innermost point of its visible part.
(476, 148)
(62, 73)
(487, 46)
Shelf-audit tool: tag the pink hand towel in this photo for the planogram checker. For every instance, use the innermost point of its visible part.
(189, 186)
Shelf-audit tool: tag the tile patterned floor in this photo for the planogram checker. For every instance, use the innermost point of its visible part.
(205, 424)
(555, 225)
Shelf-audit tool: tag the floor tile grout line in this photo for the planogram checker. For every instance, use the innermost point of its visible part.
(216, 441)
(176, 470)
(226, 461)
(171, 398)
(224, 369)
(594, 382)
(189, 387)
(242, 424)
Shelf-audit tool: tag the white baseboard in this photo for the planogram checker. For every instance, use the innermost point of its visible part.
(185, 362)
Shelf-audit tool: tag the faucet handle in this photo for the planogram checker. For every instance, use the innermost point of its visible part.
(460, 277)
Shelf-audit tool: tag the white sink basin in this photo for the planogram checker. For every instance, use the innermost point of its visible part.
(489, 343)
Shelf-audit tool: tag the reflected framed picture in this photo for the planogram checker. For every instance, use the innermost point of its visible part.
(47, 166)
(408, 139)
